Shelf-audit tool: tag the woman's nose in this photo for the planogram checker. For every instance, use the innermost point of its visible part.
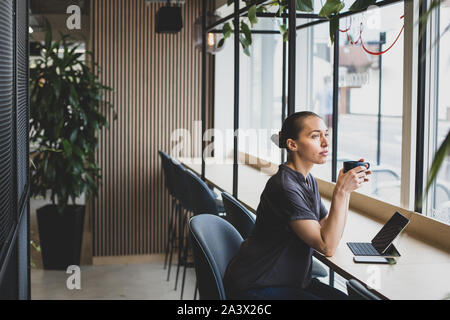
(325, 142)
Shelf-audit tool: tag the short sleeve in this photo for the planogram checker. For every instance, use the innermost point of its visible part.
(297, 205)
(323, 211)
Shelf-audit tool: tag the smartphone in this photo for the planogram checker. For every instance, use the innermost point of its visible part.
(372, 259)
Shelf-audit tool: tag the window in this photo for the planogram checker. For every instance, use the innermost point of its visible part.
(370, 100)
(222, 135)
(370, 96)
(260, 93)
(439, 194)
(314, 81)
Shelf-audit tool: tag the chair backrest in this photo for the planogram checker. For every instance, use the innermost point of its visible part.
(201, 197)
(238, 215)
(168, 171)
(180, 184)
(356, 291)
(215, 242)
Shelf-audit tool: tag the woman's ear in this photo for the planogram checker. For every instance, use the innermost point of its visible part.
(292, 145)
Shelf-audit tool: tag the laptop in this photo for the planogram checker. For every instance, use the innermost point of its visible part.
(381, 244)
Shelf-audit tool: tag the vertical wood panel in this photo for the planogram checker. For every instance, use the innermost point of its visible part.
(156, 89)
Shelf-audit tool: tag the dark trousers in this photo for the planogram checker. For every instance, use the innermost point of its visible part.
(315, 291)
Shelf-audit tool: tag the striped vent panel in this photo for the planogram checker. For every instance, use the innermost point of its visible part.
(22, 95)
(6, 121)
(157, 89)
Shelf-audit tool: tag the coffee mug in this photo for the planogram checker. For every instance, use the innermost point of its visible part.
(349, 165)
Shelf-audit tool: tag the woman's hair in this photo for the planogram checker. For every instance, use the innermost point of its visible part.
(292, 126)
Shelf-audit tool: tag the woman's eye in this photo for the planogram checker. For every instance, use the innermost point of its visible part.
(315, 136)
(327, 134)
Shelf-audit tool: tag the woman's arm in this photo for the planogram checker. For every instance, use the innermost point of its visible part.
(325, 236)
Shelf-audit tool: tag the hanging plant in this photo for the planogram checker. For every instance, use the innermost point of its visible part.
(329, 10)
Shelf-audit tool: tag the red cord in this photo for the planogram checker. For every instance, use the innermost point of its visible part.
(382, 52)
(346, 30)
(362, 43)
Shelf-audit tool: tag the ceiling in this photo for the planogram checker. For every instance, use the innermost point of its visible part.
(57, 6)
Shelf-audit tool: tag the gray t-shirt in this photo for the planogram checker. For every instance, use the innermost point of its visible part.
(274, 255)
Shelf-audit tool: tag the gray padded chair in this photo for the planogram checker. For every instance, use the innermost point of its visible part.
(238, 215)
(202, 200)
(215, 242)
(356, 291)
(168, 175)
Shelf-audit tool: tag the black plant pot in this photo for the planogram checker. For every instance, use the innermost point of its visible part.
(60, 235)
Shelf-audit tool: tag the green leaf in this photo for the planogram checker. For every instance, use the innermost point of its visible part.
(439, 157)
(304, 5)
(73, 136)
(227, 30)
(221, 43)
(360, 5)
(261, 9)
(331, 7)
(334, 27)
(48, 34)
(245, 45)
(67, 147)
(247, 33)
(252, 15)
(73, 97)
(284, 32)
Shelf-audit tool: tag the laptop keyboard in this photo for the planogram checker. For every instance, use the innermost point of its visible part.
(363, 249)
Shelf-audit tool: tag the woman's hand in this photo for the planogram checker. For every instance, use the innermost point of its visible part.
(352, 179)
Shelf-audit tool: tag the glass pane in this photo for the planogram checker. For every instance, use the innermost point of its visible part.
(370, 99)
(440, 194)
(221, 155)
(314, 81)
(260, 94)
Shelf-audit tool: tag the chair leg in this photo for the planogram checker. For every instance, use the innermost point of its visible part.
(196, 289)
(181, 245)
(185, 259)
(169, 232)
(173, 238)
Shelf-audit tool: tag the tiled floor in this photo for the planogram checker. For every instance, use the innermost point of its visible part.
(119, 281)
(144, 281)
(130, 281)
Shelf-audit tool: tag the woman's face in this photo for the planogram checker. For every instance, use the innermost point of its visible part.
(312, 143)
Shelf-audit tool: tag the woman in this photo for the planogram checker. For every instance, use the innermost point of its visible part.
(275, 261)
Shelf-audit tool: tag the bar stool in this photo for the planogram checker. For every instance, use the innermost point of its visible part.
(203, 201)
(182, 191)
(168, 176)
(211, 256)
(238, 215)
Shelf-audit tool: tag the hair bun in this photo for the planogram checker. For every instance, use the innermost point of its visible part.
(281, 140)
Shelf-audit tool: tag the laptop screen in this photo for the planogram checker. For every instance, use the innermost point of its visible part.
(389, 232)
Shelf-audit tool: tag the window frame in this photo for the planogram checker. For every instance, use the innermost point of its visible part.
(414, 165)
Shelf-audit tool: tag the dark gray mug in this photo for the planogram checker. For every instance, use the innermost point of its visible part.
(349, 165)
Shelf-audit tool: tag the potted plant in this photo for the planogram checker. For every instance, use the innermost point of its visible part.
(65, 118)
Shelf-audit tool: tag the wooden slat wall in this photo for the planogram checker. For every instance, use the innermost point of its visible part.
(157, 89)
